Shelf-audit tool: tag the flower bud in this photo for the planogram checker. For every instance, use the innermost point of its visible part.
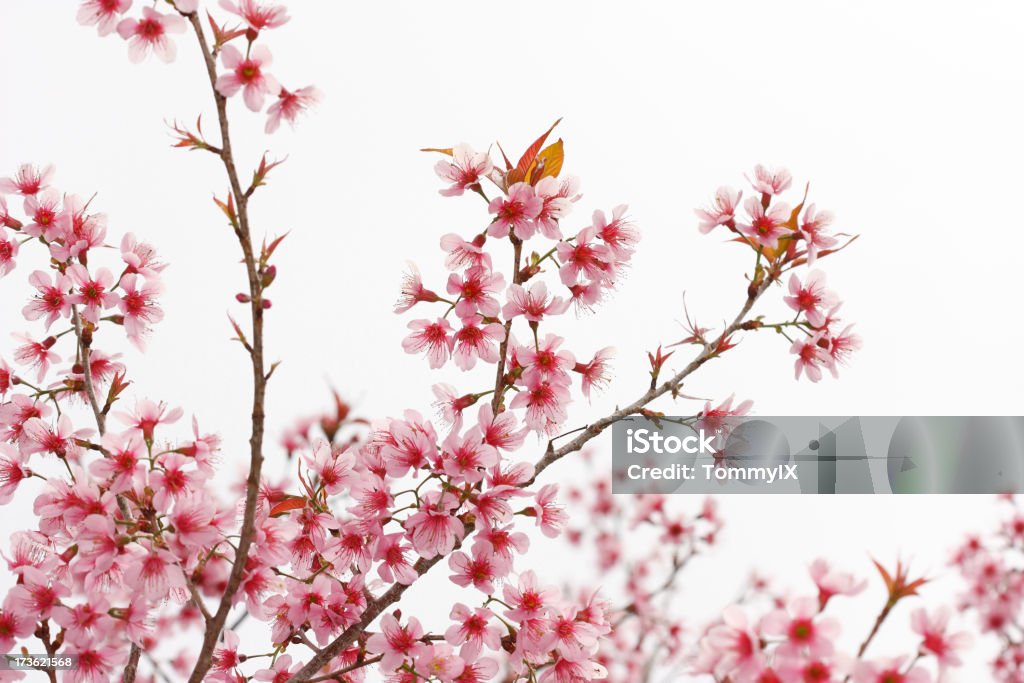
(242, 298)
(265, 303)
(269, 274)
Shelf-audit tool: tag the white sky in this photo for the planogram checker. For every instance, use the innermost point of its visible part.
(905, 117)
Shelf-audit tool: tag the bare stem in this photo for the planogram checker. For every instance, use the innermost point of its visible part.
(131, 668)
(707, 352)
(216, 624)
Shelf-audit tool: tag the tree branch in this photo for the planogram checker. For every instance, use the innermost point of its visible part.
(216, 624)
(706, 353)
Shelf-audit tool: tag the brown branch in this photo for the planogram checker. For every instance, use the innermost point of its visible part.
(373, 610)
(336, 675)
(216, 624)
(499, 380)
(84, 347)
(672, 385)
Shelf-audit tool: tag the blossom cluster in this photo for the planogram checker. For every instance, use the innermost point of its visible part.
(785, 237)
(481, 306)
(990, 565)
(245, 71)
(776, 639)
(135, 545)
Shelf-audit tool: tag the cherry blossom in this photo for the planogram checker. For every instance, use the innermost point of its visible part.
(465, 171)
(248, 74)
(150, 33)
(515, 213)
(258, 15)
(722, 210)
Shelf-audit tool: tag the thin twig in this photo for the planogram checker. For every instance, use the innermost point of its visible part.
(242, 231)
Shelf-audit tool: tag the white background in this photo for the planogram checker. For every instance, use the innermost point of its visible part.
(904, 117)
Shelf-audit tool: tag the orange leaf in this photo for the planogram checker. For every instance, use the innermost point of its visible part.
(287, 506)
(547, 163)
(443, 150)
(519, 172)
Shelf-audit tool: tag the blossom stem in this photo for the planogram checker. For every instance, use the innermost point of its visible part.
(336, 675)
(131, 668)
(708, 352)
(242, 231)
(499, 380)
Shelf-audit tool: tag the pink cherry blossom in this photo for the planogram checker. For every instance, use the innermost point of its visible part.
(527, 599)
(618, 233)
(433, 530)
(810, 358)
(722, 210)
(481, 569)
(551, 517)
(545, 403)
(289, 105)
(840, 347)
(397, 643)
(466, 457)
(413, 291)
(770, 181)
(585, 259)
(92, 292)
(804, 631)
(532, 304)
(13, 471)
(52, 299)
(462, 253)
(37, 595)
(258, 15)
(430, 337)
(766, 225)
(139, 307)
(280, 671)
(811, 297)
(150, 33)
(515, 212)
(558, 196)
(473, 630)
(104, 14)
(465, 171)
(147, 416)
(28, 180)
(33, 354)
(121, 463)
(191, 518)
(476, 340)
(439, 661)
(936, 640)
(97, 660)
(394, 565)
(812, 229)
(8, 252)
(14, 626)
(889, 671)
(248, 74)
(139, 257)
(60, 439)
(546, 362)
(500, 430)
(476, 291)
(157, 576)
(43, 210)
(831, 583)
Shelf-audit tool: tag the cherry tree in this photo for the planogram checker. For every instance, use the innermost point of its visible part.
(134, 545)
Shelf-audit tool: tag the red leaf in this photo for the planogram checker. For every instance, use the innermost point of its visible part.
(519, 172)
(287, 506)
